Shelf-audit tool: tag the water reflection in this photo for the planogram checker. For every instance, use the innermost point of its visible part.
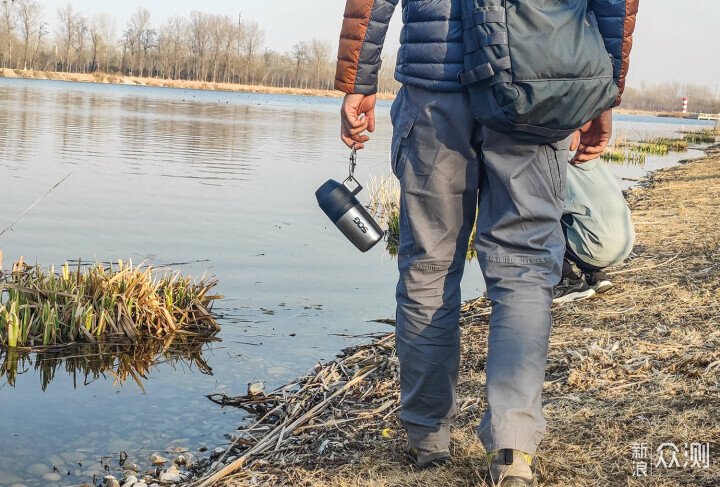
(186, 139)
(119, 361)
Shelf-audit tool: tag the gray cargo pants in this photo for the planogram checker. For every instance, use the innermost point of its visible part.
(450, 170)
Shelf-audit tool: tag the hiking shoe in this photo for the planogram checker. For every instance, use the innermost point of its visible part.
(570, 290)
(424, 459)
(511, 468)
(599, 282)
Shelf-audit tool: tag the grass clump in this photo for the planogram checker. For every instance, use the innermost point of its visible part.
(705, 136)
(84, 304)
(623, 156)
(385, 207)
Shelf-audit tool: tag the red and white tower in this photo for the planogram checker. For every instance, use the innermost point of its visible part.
(685, 104)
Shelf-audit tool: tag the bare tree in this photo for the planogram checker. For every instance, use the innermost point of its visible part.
(319, 54)
(68, 21)
(139, 38)
(253, 37)
(300, 54)
(30, 24)
(200, 42)
(102, 35)
(8, 25)
(173, 44)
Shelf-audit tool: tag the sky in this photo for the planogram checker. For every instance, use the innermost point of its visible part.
(675, 40)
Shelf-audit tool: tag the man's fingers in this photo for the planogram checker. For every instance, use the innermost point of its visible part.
(351, 116)
(575, 142)
(592, 149)
(357, 130)
(582, 157)
(358, 140)
(350, 142)
(370, 115)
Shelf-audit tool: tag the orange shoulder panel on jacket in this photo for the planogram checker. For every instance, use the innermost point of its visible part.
(352, 36)
(631, 10)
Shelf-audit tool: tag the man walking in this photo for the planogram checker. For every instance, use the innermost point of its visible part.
(450, 170)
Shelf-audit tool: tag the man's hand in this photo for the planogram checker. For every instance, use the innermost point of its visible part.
(591, 140)
(357, 115)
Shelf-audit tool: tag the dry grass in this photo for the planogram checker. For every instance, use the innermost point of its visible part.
(641, 364)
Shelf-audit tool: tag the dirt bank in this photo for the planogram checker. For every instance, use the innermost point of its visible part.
(171, 83)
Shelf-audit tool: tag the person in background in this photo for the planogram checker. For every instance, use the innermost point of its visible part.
(598, 231)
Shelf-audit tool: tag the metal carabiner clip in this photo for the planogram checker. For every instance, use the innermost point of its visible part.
(351, 176)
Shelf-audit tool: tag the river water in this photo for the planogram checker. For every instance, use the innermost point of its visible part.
(211, 182)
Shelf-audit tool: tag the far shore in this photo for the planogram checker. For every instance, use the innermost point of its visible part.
(104, 78)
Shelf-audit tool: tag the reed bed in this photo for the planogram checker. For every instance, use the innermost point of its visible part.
(624, 150)
(41, 308)
(707, 136)
(641, 364)
(624, 156)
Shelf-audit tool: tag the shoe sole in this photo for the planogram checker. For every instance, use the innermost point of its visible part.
(579, 296)
(430, 464)
(602, 287)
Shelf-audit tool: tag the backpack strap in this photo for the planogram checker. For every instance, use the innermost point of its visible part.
(484, 71)
(483, 17)
(475, 42)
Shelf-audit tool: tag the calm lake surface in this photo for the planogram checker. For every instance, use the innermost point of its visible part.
(211, 182)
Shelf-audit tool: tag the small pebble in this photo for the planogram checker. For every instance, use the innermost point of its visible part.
(158, 459)
(256, 389)
(111, 481)
(52, 477)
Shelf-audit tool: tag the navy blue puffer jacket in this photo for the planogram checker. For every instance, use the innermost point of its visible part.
(431, 52)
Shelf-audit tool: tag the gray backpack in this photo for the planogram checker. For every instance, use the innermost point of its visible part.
(535, 68)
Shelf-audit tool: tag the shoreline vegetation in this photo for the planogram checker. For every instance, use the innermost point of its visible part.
(44, 309)
(639, 365)
(103, 78)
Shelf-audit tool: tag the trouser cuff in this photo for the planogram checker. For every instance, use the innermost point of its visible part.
(523, 438)
(435, 440)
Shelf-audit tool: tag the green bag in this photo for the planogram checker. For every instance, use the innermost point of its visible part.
(535, 68)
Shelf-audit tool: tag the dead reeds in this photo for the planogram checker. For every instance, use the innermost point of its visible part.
(83, 304)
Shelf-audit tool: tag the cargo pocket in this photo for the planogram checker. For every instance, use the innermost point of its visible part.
(403, 121)
(557, 168)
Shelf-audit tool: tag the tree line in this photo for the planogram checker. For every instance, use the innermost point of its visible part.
(202, 47)
(668, 97)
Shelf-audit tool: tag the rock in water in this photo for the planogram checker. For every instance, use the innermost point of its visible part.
(130, 481)
(256, 389)
(111, 481)
(158, 459)
(171, 475)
